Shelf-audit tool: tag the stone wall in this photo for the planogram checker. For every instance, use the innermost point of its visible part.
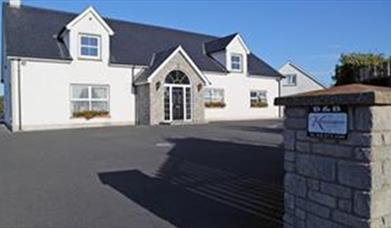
(142, 104)
(178, 62)
(338, 183)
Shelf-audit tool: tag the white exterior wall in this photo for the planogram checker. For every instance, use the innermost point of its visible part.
(303, 82)
(45, 85)
(46, 98)
(237, 89)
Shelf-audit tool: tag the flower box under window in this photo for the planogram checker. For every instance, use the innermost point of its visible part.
(89, 101)
(90, 114)
(258, 104)
(214, 104)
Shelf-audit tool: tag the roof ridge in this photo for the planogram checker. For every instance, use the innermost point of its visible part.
(120, 21)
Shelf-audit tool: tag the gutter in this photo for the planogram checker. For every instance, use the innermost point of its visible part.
(19, 95)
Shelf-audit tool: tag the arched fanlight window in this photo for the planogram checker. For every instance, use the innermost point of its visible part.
(177, 77)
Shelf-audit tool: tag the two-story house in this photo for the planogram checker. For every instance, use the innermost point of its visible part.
(63, 70)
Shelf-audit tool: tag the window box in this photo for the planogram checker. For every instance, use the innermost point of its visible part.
(214, 104)
(258, 104)
(90, 114)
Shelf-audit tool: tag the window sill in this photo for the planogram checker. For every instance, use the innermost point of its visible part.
(236, 71)
(96, 117)
(89, 59)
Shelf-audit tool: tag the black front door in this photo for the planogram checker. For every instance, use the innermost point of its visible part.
(177, 103)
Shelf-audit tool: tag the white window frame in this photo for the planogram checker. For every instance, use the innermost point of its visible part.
(89, 99)
(80, 46)
(233, 62)
(257, 96)
(286, 82)
(212, 92)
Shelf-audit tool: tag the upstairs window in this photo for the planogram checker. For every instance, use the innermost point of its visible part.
(89, 46)
(236, 62)
(290, 80)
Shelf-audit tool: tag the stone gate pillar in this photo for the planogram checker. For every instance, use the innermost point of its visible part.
(338, 158)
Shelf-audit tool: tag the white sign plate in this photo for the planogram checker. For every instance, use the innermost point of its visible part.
(324, 123)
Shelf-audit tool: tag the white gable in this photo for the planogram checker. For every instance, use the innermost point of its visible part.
(238, 44)
(88, 23)
(305, 81)
(187, 57)
(91, 12)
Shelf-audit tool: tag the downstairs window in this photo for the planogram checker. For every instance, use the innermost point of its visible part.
(214, 98)
(89, 98)
(258, 99)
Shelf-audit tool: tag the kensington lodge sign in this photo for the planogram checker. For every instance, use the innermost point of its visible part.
(328, 121)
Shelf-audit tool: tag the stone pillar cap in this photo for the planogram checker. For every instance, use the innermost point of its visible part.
(353, 94)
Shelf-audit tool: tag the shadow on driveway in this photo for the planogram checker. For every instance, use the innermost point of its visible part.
(207, 183)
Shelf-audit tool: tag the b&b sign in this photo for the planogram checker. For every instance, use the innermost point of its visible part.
(328, 121)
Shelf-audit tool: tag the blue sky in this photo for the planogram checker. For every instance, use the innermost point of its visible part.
(312, 34)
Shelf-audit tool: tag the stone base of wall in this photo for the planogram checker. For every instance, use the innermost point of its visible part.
(339, 183)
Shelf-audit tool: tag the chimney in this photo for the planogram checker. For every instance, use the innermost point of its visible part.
(15, 3)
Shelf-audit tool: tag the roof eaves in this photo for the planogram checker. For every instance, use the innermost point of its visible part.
(306, 73)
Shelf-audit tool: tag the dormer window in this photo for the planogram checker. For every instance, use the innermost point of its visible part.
(89, 46)
(236, 62)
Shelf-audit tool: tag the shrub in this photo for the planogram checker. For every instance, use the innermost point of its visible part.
(90, 114)
(214, 104)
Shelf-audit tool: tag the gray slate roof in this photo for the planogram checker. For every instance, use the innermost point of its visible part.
(157, 60)
(33, 32)
(219, 44)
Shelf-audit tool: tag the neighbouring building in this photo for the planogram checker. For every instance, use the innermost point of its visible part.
(64, 70)
(297, 80)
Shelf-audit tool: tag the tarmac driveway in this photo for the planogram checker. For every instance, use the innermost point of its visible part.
(216, 175)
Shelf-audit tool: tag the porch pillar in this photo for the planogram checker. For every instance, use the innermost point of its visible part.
(338, 158)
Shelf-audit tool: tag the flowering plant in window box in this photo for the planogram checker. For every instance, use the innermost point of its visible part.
(90, 114)
(259, 104)
(212, 104)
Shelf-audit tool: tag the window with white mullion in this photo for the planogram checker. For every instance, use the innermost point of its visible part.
(236, 62)
(214, 95)
(89, 46)
(89, 98)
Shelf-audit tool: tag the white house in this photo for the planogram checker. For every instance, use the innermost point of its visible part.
(63, 70)
(297, 80)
